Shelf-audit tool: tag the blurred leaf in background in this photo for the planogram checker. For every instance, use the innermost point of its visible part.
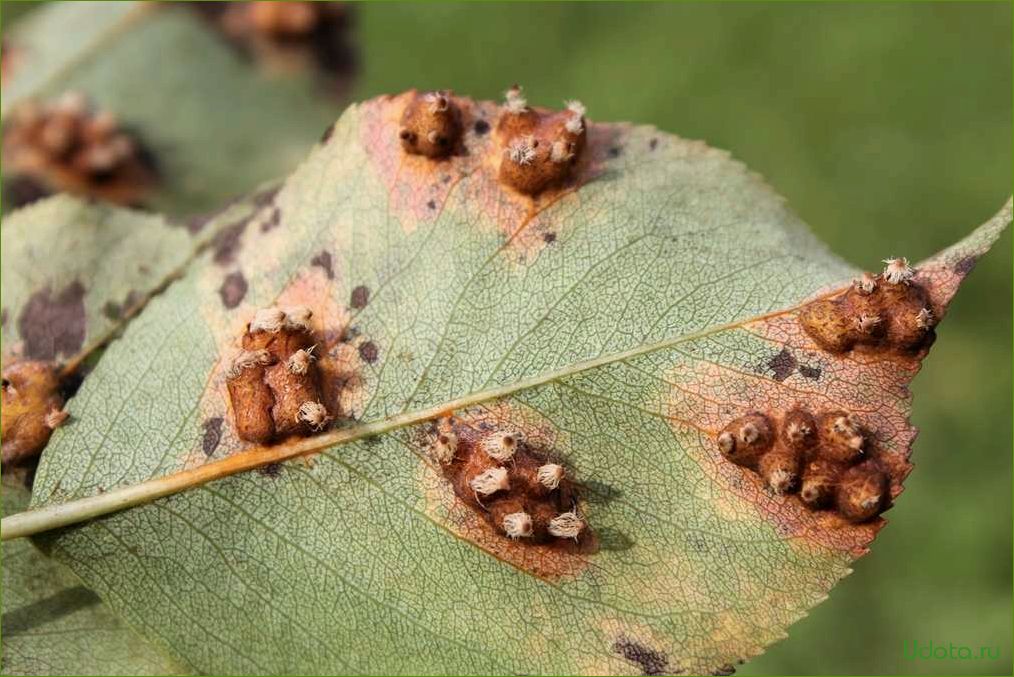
(213, 117)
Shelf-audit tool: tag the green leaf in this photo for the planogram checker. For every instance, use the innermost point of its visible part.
(216, 124)
(620, 325)
(54, 625)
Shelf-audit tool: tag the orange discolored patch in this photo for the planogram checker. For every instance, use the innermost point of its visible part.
(499, 485)
(420, 188)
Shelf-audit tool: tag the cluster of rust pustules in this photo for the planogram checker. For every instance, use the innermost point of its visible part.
(274, 383)
(824, 457)
(538, 148)
(522, 494)
(66, 145)
(32, 409)
(890, 310)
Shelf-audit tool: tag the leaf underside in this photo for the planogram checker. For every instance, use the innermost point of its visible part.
(620, 324)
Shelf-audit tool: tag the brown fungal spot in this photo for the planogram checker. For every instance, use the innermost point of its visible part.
(431, 125)
(32, 409)
(360, 297)
(965, 265)
(270, 399)
(653, 144)
(273, 221)
(746, 439)
(510, 484)
(549, 238)
(272, 470)
(369, 352)
(650, 661)
(323, 259)
(212, 435)
(782, 364)
(480, 127)
(539, 149)
(67, 146)
(887, 311)
(19, 191)
(326, 136)
(53, 325)
(233, 289)
(228, 241)
(863, 491)
(812, 373)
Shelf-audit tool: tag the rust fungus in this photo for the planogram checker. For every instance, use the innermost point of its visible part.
(887, 311)
(431, 125)
(539, 148)
(513, 486)
(274, 385)
(32, 409)
(290, 36)
(826, 458)
(67, 146)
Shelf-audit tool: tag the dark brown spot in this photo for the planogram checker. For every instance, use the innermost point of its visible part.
(112, 310)
(3, 317)
(480, 127)
(965, 265)
(273, 221)
(431, 204)
(53, 325)
(20, 191)
(549, 237)
(809, 372)
(233, 289)
(227, 243)
(653, 144)
(724, 670)
(782, 364)
(212, 435)
(326, 136)
(650, 661)
(615, 151)
(270, 470)
(360, 297)
(369, 351)
(323, 260)
(265, 197)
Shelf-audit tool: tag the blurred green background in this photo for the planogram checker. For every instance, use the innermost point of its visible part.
(888, 128)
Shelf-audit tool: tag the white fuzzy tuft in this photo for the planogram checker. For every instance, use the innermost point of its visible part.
(866, 284)
(560, 152)
(314, 414)
(781, 481)
(726, 442)
(437, 102)
(574, 125)
(518, 524)
(270, 320)
(501, 446)
(297, 318)
(55, 418)
(490, 481)
(299, 361)
(522, 151)
(867, 323)
(566, 525)
(516, 102)
(749, 434)
(925, 319)
(247, 359)
(445, 447)
(550, 475)
(897, 271)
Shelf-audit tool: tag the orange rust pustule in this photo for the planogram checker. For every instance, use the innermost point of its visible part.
(67, 146)
(273, 382)
(32, 408)
(863, 491)
(431, 125)
(744, 440)
(825, 458)
(523, 493)
(874, 313)
(539, 148)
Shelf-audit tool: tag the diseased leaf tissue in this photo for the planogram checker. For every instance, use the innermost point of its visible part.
(569, 397)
